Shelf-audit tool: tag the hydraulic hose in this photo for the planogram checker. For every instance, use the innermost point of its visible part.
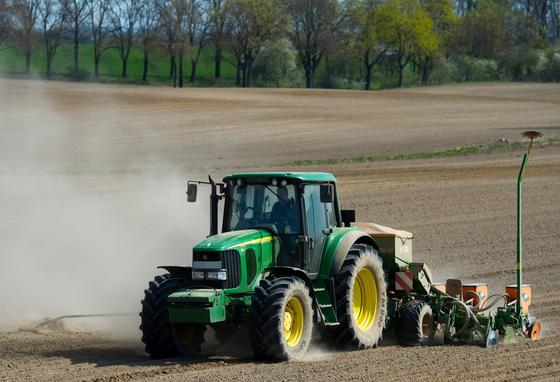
(496, 298)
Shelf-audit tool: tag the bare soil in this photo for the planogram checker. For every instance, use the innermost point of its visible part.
(460, 209)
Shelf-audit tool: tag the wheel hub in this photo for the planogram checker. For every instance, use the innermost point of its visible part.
(287, 321)
(293, 321)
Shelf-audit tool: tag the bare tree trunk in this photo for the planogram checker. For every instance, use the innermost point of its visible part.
(172, 64)
(50, 51)
(27, 62)
(244, 79)
(218, 63)
(145, 71)
(49, 63)
(248, 70)
(238, 74)
(368, 68)
(124, 66)
(402, 65)
(96, 62)
(308, 79)
(181, 77)
(193, 71)
(425, 74)
(76, 48)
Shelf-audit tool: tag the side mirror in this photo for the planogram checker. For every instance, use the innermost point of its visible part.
(191, 192)
(327, 193)
(348, 216)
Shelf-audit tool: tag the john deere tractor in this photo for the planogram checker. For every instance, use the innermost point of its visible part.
(289, 260)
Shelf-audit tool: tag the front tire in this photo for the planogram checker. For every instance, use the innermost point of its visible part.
(281, 319)
(161, 337)
(361, 300)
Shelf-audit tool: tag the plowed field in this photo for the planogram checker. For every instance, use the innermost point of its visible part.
(92, 200)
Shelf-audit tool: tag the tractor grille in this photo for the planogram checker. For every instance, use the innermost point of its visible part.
(230, 262)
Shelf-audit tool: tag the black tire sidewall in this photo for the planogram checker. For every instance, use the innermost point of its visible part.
(301, 292)
(370, 337)
(267, 319)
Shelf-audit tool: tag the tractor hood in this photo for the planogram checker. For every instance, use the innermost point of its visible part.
(233, 240)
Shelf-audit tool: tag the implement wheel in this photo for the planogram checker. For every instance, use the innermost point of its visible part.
(361, 300)
(534, 330)
(281, 320)
(416, 324)
(161, 337)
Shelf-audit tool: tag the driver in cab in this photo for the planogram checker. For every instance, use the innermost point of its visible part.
(283, 213)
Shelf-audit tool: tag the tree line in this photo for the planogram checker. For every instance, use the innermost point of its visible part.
(286, 42)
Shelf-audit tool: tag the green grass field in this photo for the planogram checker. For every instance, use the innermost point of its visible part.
(12, 62)
(454, 152)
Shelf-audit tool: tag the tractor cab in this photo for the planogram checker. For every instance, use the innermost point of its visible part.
(298, 210)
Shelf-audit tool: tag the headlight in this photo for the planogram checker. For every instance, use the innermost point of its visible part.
(216, 275)
(197, 275)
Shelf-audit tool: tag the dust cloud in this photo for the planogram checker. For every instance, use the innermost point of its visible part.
(83, 225)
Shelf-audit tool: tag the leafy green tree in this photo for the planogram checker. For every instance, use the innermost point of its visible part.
(496, 31)
(277, 63)
(443, 19)
(407, 29)
(365, 33)
(253, 23)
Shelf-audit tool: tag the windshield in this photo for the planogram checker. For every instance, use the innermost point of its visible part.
(263, 206)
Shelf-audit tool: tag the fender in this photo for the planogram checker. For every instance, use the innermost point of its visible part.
(291, 271)
(340, 242)
(177, 271)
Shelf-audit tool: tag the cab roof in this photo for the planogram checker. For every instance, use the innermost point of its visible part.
(298, 176)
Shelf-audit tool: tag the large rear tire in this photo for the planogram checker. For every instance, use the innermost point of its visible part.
(161, 337)
(361, 300)
(281, 321)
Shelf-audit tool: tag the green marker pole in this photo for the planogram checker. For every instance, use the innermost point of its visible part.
(519, 266)
(519, 235)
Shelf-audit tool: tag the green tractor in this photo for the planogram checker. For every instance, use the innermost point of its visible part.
(286, 261)
(289, 260)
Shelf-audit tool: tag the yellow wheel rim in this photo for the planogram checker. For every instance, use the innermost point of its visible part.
(364, 300)
(293, 321)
